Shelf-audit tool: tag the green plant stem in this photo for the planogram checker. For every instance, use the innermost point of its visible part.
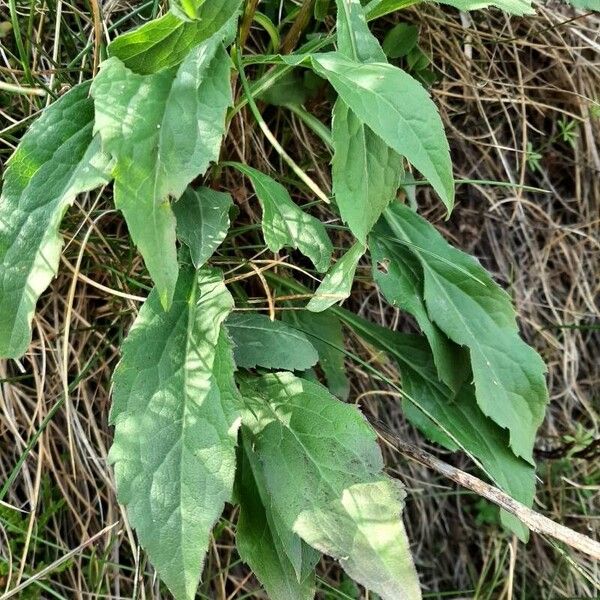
(269, 135)
(14, 18)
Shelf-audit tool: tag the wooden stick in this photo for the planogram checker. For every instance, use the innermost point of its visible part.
(534, 520)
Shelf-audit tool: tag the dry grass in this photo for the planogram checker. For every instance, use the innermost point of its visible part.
(510, 88)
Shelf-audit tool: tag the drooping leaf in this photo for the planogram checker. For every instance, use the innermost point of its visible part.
(285, 224)
(282, 562)
(396, 108)
(450, 419)
(337, 284)
(473, 311)
(56, 160)
(258, 341)
(323, 471)
(324, 331)
(399, 275)
(365, 171)
(175, 427)
(163, 130)
(164, 43)
(202, 221)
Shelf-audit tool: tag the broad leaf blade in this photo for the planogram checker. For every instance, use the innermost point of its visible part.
(399, 275)
(165, 42)
(282, 562)
(452, 420)
(202, 221)
(56, 160)
(285, 224)
(258, 341)
(163, 130)
(365, 172)
(175, 430)
(396, 108)
(337, 284)
(353, 36)
(323, 470)
(473, 311)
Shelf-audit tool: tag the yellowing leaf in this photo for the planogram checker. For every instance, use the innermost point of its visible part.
(283, 563)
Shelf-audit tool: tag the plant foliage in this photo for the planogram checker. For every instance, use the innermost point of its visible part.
(215, 403)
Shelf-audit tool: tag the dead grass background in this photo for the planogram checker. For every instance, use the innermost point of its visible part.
(509, 87)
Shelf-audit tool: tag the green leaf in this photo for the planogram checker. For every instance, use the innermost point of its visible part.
(187, 9)
(163, 130)
(165, 42)
(175, 434)
(56, 160)
(400, 40)
(380, 8)
(282, 562)
(399, 275)
(365, 171)
(514, 7)
(258, 341)
(284, 224)
(452, 420)
(337, 284)
(323, 471)
(202, 221)
(353, 36)
(473, 311)
(398, 109)
(585, 4)
(324, 331)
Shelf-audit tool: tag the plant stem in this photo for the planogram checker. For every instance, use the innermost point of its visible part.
(269, 135)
